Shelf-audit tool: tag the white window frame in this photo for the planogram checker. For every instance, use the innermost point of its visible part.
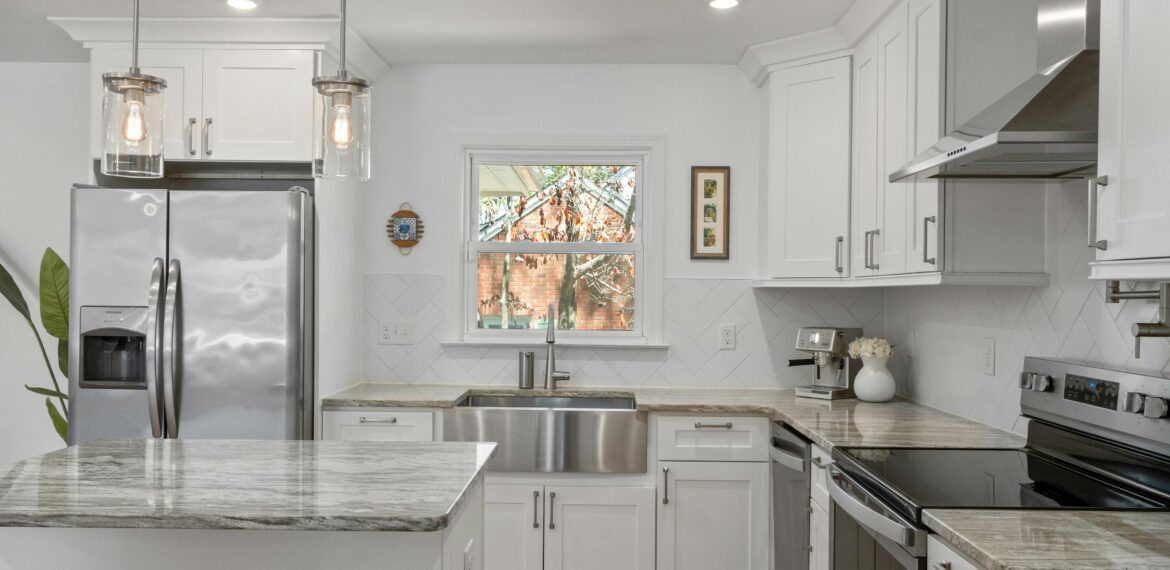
(645, 153)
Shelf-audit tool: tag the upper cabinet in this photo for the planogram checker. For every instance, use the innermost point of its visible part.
(251, 105)
(1131, 203)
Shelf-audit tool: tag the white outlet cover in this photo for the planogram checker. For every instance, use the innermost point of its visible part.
(726, 337)
(395, 332)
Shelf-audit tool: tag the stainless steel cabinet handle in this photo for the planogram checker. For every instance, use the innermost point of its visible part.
(191, 122)
(365, 420)
(552, 498)
(941, 566)
(153, 368)
(865, 250)
(666, 485)
(207, 136)
(837, 247)
(701, 425)
(926, 240)
(872, 257)
(1093, 241)
(536, 509)
(172, 334)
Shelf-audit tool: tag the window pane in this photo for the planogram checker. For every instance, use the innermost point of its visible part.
(591, 291)
(556, 203)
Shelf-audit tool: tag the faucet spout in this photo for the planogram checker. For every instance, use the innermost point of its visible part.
(551, 374)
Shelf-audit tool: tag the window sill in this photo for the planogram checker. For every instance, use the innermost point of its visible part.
(569, 343)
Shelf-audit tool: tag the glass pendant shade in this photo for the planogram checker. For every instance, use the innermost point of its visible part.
(342, 129)
(132, 119)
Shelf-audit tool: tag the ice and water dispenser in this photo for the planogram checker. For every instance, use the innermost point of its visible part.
(113, 347)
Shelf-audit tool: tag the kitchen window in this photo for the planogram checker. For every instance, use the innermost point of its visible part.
(560, 228)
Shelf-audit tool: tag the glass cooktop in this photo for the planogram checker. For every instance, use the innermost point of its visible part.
(984, 478)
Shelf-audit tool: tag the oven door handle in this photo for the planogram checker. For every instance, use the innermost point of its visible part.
(889, 525)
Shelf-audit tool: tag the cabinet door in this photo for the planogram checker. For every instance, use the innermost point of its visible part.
(183, 71)
(378, 426)
(713, 515)
(260, 104)
(926, 89)
(819, 538)
(893, 142)
(1134, 214)
(599, 528)
(863, 218)
(513, 527)
(808, 183)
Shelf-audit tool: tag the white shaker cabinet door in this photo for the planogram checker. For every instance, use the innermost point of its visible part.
(183, 71)
(713, 515)
(1134, 212)
(889, 246)
(863, 218)
(258, 105)
(808, 187)
(513, 527)
(599, 528)
(819, 538)
(925, 35)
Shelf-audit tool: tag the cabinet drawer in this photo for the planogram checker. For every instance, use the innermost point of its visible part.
(941, 556)
(819, 492)
(713, 438)
(382, 425)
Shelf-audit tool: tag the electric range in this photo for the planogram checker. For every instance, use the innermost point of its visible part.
(1097, 439)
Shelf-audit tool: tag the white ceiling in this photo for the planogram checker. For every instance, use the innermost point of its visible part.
(474, 31)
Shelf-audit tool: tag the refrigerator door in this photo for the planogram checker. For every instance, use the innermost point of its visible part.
(116, 237)
(234, 365)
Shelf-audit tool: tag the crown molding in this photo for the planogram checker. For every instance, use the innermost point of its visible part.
(360, 58)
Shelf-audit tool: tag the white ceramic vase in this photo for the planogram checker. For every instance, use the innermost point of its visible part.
(874, 383)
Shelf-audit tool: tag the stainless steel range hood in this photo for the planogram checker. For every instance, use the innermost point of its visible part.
(1044, 128)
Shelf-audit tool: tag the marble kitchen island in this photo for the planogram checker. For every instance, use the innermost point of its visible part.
(256, 504)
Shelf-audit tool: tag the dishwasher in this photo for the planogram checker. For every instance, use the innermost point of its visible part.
(791, 480)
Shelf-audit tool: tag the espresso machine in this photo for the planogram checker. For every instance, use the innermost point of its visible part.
(834, 370)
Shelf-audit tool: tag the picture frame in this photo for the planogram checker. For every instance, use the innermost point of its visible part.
(710, 212)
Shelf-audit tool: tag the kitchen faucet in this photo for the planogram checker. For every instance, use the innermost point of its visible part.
(551, 374)
(1159, 329)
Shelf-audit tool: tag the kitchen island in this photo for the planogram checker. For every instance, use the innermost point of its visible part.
(255, 504)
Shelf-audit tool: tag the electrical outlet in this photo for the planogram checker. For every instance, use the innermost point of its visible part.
(726, 337)
(395, 332)
(989, 356)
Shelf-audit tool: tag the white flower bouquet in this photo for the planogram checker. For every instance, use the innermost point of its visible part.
(870, 347)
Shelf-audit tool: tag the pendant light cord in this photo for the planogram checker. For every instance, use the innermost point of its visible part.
(134, 42)
(341, 70)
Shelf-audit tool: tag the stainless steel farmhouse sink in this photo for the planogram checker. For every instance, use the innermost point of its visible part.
(562, 433)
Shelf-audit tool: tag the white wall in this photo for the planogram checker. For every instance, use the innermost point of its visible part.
(43, 150)
(940, 330)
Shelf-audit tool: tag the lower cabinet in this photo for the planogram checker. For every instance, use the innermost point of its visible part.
(378, 425)
(713, 515)
(820, 545)
(529, 527)
(940, 555)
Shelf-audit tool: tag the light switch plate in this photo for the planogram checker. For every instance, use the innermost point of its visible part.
(989, 356)
(726, 337)
(395, 332)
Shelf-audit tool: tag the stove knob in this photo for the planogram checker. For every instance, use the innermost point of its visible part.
(1041, 383)
(1155, 407)
(1026, 380)
(1132, 402)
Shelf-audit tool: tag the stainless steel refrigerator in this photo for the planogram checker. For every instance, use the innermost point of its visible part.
(191, 313)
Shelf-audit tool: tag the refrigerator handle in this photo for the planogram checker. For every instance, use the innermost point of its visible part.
(153, 395)
(171, 370)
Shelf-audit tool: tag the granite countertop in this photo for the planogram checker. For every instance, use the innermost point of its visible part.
(1064, 540)
(218, 484)
(845, 423)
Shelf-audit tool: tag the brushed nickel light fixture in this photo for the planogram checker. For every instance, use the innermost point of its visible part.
(342, 123)
(132, 119)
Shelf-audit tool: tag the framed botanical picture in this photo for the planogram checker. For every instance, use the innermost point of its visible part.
(710, 207)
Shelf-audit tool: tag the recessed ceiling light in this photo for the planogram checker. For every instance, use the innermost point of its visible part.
(724, 4)
(243, 4)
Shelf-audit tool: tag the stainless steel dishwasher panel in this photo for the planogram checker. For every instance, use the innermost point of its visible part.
(791, 484)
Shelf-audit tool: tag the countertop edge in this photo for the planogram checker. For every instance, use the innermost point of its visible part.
(959, 542)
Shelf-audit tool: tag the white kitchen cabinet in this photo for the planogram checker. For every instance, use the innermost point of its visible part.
(864, 194)
(378, 425)
(808, 185)
(820, 545)
(713, 438)
(940, 555)
(513, 527)
(925, 35)
(889, 238)
(1134, 206)
(713, 515)
(248, 105)
(599, 528)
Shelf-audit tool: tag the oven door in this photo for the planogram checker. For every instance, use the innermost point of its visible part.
(867, 533)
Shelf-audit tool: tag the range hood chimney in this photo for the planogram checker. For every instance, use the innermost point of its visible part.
(1046, 127)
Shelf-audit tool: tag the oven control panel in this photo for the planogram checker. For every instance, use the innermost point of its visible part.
(1091, 391)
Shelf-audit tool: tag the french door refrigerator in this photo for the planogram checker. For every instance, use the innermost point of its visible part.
(191, 313)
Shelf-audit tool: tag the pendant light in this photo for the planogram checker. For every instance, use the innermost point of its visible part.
(342, 124)
(132, 119)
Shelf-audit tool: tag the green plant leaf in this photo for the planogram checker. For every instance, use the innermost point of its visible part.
(45, 392)
(63, 357)
(55, 295)
(59, 423)
(11, 292)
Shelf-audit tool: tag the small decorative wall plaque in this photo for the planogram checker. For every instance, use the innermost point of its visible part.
(405, 228)
(710, 210)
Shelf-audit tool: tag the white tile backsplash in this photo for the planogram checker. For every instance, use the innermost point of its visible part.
(940, 330)
(766, 323)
